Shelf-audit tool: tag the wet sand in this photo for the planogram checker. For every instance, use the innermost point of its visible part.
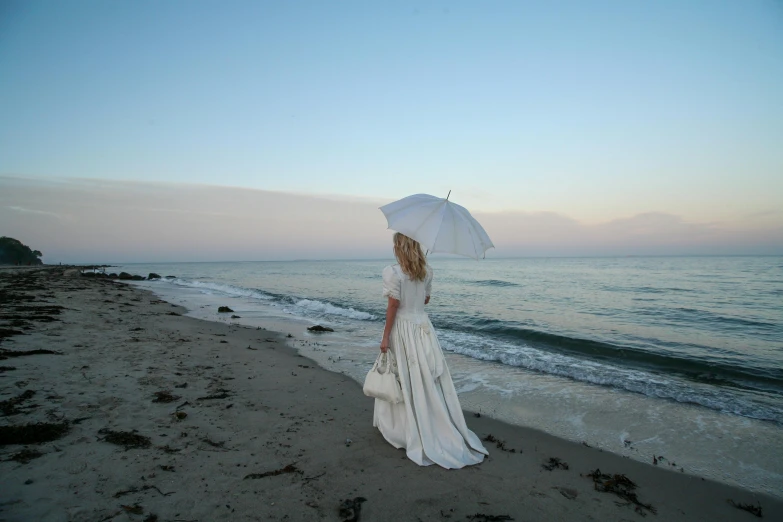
(144, 414)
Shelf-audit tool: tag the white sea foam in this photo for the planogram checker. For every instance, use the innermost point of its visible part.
(330, 309)
(222, 288)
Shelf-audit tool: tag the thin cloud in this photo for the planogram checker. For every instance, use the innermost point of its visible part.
(33, 211)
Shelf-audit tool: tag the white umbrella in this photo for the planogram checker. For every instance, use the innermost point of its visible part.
(438, 224)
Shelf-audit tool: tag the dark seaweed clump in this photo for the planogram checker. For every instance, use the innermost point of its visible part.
(621, 486)
(7, 354)
(164, 396)
(501, 444)
(10, 406)
(125, 438)
(33, 433)
(288, 469)
(750, 508)
(25, 456)
(554, 463)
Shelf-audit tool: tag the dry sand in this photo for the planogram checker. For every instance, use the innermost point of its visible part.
(264, 433)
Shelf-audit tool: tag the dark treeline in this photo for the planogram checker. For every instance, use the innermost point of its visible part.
(14, 252)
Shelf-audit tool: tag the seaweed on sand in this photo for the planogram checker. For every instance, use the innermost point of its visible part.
(350, 509)
(481, 517)
(125, 438)
(24, 456)
(7, 354)
(621, 486)
(221, 394)
(554, 463)
(164, 396)
(9, 406)
(750, 508)
(7, 368)
(501, 444)
(142, 488)
(288, 469)
(36, 433)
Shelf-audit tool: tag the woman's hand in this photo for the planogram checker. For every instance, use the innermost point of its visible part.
(384, 344)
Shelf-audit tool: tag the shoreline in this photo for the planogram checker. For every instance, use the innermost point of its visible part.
(253, 405)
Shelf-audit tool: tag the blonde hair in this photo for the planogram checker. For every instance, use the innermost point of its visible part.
(410, 256)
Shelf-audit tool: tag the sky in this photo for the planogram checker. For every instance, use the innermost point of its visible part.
(170, 131)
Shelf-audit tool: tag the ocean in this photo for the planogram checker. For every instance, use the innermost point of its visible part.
(679, 357)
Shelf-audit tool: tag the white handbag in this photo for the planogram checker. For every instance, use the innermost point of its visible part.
(381, 381)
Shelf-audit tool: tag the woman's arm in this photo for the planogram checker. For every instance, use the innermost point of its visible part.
(391, 313)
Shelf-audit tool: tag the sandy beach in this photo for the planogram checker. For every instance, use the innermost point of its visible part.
(116, 407)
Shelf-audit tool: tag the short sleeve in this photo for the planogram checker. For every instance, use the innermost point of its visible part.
(391, 283)
(428, 282)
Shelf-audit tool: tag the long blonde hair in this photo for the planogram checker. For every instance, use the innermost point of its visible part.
(410, 256)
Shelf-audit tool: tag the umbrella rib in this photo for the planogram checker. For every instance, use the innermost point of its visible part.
(439, 224)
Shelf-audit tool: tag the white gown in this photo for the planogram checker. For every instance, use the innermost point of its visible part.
(429, 424)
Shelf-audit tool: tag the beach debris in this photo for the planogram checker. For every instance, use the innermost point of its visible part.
(213, 443)
(236, 316)
(481, 517)
(348, 442)
(287, 469)
(143, 488)
(36, 433)
(350, 509)
(174, 313)
(10, 406)
(24, 456)
(6, 354)
(164, 396)
(166, 468)
(7, 368)
(183, 385)
(169, 449)
(554, 463)
(128, 439)
(220, 394)
(750, 508)
(621, 486)
(569, 493)
(134, 509)
(500, 444)
(288, 336)
(151, 518)
(319, 328)
(224, 310)
(180, 415)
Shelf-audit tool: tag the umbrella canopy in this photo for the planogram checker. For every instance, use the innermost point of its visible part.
(438, 224)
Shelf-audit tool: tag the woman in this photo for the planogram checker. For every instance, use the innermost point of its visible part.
(429, 423)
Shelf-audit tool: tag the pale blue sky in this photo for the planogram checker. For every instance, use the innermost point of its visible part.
(596, 110)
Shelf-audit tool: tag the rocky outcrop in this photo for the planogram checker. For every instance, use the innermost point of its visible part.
(125, 276)
(153, 275)
(224, 310)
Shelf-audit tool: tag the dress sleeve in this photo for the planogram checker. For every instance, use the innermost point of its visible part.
(391, 283)
(429, 282)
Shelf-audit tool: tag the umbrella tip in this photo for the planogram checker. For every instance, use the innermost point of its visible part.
(447, 197)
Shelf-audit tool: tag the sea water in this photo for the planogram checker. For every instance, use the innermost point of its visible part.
(680, 357)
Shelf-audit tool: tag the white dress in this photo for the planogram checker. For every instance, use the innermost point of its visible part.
(429, 424)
